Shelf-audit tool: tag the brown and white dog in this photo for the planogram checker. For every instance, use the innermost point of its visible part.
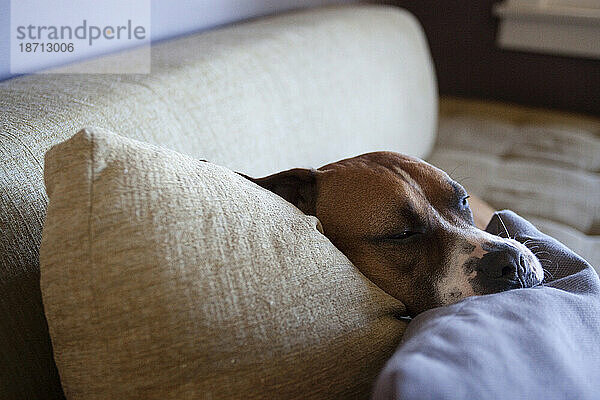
(408, 227)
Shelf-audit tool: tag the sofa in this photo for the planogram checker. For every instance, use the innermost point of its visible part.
(296, 90)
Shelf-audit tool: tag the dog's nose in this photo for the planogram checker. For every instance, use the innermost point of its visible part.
(506, 263)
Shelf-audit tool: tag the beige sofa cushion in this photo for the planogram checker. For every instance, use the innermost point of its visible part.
(166, 277)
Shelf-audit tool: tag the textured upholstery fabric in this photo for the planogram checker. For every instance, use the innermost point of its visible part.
(165, 277)
(295, 90)
(543, 165)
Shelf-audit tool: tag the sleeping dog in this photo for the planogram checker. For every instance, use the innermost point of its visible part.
(408, 227)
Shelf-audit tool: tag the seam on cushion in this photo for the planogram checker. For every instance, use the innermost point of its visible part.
(91, 177)
(90, 198)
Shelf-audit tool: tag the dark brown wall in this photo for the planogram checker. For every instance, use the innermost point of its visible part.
(468, 62)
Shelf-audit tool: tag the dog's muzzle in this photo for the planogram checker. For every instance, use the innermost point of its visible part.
(508, 266)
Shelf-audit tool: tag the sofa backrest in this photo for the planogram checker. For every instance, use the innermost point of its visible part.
(297, 90)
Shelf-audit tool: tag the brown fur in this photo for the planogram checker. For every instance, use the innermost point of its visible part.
(364, 202)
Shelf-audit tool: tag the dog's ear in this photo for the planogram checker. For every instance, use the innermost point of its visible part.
(298, 186)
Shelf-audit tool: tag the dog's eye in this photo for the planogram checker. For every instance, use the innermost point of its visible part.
(403, 235)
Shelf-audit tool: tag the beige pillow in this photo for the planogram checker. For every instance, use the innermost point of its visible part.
(166, 277)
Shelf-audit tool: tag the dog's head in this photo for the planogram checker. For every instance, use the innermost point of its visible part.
(408, 227)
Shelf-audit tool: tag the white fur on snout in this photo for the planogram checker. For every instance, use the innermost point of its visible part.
(455, 285)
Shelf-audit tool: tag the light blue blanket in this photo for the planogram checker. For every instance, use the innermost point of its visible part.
(538, 343)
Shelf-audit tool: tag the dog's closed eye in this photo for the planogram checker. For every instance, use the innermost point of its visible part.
(403, 235)
(398, 237)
